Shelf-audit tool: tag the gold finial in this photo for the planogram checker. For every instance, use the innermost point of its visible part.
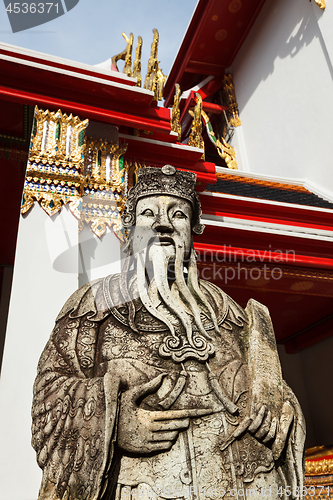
(195, 138)
(137, 63)
(229, 90)
(155, 78)
(225, 150)
(321, 4)
(125, 55)
(175, 124)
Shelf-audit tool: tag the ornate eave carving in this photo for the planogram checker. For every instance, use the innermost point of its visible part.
(229, 90)
(64, 167)
(175, 115)
(195, 140)
(225, 150)
(155, 79)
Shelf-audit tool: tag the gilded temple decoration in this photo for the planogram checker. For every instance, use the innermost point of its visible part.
(100, 203)
(229, 89)
(319, 467)
(195, 140)
(175, 116)
(136, 73)
(155, 79)
(54, 169)
(225, 150)
(64, 167)
(132, 168)
(318, 472)
(321, 4)
(125, 55)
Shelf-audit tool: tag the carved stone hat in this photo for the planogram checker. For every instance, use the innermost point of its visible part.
(164, 181)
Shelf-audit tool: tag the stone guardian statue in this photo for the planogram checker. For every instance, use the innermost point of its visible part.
(155, 384)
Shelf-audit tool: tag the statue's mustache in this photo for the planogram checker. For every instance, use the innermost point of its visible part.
(163, 240)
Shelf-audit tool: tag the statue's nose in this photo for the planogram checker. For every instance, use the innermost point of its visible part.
(162, 225)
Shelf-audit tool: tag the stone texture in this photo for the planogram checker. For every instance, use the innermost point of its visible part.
(156, 385)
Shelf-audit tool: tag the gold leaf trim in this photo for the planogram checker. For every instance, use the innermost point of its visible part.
(175, 116)
(229, 90)
(225, 150)
(321, 4)
(319, 467)
(195, 140)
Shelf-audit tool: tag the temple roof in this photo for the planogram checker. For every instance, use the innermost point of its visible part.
(267, 190)
(214, 36)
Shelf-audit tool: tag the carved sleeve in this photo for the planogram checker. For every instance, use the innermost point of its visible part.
(74, 412)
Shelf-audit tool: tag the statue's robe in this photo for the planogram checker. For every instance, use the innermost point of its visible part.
(93, 356)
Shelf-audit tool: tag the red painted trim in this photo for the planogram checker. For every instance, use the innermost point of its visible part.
(204, 68)
(319, 459)
(86, 111)
(252, 238)
(276, 213)
(185, 51)
(67, 67)
(210, 107)
(235, 254)
(142, 147)
(276, 221)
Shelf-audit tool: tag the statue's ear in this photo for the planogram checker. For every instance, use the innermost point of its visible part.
(198, 229)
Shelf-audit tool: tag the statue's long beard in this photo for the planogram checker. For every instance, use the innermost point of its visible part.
(174, 299)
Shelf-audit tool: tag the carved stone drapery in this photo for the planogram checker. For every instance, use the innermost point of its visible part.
(156, 384)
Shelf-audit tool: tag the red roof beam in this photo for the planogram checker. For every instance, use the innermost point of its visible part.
(185, 51)
(278, 213)
(68, 65)
(86, 111)
(233, 254)
(204, 68)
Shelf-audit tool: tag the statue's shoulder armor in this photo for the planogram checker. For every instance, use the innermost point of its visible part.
(89, 299)
(226, 309)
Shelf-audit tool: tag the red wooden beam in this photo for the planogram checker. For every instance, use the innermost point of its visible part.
(86, 111)
(252, 238)
(234, 254)
(185, 51)
(204, 68)
(54, 62)
(211, 107)
(274, 212)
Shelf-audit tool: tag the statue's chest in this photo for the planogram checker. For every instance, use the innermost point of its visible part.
(116, 341)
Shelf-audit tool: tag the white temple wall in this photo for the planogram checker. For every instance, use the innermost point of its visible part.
(52, 260)
(98, 257)
(283, 77)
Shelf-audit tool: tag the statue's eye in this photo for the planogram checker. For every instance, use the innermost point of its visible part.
(148, 213)
(178, 214)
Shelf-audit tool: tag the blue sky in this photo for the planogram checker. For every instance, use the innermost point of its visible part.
(92, 31)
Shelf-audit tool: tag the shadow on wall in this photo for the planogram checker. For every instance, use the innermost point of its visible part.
(282, 30)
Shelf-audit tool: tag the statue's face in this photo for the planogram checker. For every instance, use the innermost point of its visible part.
(163, 221)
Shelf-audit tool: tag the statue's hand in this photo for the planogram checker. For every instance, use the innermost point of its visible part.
(142, 431)
(272, 431)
